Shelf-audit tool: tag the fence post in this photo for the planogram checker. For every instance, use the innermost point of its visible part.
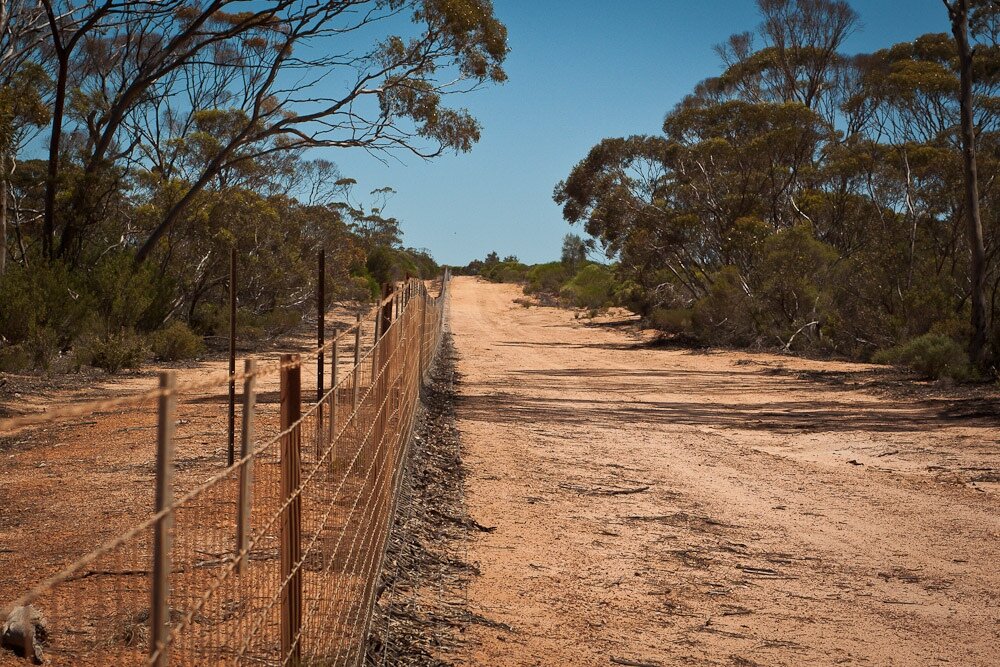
(332, 422)
(320, 340)
(246, 469)
(159, 610)
(379, 331)
(422, 302)
(291, 516)
(357, 362)
(231, 450)
(387, 290)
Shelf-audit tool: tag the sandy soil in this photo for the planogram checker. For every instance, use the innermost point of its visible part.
(668, 507)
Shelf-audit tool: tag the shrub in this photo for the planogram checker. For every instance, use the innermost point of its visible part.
(591, 287)
(175, 342)
(45, 304)
(933, 355)
(789, 287)
(121, 292)
(671, 320)
(15, 358)
(547, 278)
(725, 316)
(505, 272)
(113, 351)
(357, 288)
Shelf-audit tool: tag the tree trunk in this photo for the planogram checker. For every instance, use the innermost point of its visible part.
(49, 219)
(959, 13)
(3, 213)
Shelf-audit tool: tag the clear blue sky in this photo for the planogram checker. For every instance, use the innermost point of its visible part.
(580, 71)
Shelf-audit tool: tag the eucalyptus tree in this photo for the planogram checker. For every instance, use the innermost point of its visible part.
(144, 86)
(21, 105)
(958, 13)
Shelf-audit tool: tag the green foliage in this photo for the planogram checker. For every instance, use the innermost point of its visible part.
(121, 293)
(547, 278)
(574, 252)
(113, 351)
(932, 355)
(591, 287)
(789, 285)
(805, 198)
(212, 321)
(42, 311)
(175, 342)
(504, 272)
(386, 264)
(725, 316)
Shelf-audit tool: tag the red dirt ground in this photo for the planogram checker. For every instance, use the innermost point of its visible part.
(670, 507)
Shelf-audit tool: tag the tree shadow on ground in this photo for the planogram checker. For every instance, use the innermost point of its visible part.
(738, 405)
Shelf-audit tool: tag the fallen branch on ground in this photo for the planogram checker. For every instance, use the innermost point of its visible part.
(634, 663)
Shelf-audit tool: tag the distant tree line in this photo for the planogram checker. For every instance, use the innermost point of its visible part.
(140, 141)
(575, 280)
(818, 201)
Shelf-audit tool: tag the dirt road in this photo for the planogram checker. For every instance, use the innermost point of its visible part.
(665, 507)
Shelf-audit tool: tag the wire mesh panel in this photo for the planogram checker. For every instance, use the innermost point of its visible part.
(283, 572)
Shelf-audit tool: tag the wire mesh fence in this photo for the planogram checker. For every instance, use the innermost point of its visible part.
(273, 560)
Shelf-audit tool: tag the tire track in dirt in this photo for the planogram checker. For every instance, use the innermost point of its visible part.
(787, 520)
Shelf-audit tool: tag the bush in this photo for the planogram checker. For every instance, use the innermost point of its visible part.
(671, 320)
(44, 307)
(725, 316)
(591, 287)
(113, 351)
(175, 342)
(505, 272)
(932, 355)
(548, 278)
(15, 359)
(358, 288)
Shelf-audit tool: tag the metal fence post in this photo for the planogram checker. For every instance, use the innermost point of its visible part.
(159, 609)
(231, 450)
(246, 469)
(291, 515)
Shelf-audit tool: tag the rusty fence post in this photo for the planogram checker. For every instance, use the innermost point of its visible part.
(291, 515)
(246, 468)
(231, 449)
(159, 610)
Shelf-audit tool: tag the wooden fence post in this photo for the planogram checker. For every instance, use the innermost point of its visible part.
(357, 362)
(423, 361)
(246, 469)
(291, 516)
(159, 609)
(375, 347)
(387, 308)
(231, 450)
(332, 422)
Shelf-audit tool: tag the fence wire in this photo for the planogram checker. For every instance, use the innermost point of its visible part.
(295, 585)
